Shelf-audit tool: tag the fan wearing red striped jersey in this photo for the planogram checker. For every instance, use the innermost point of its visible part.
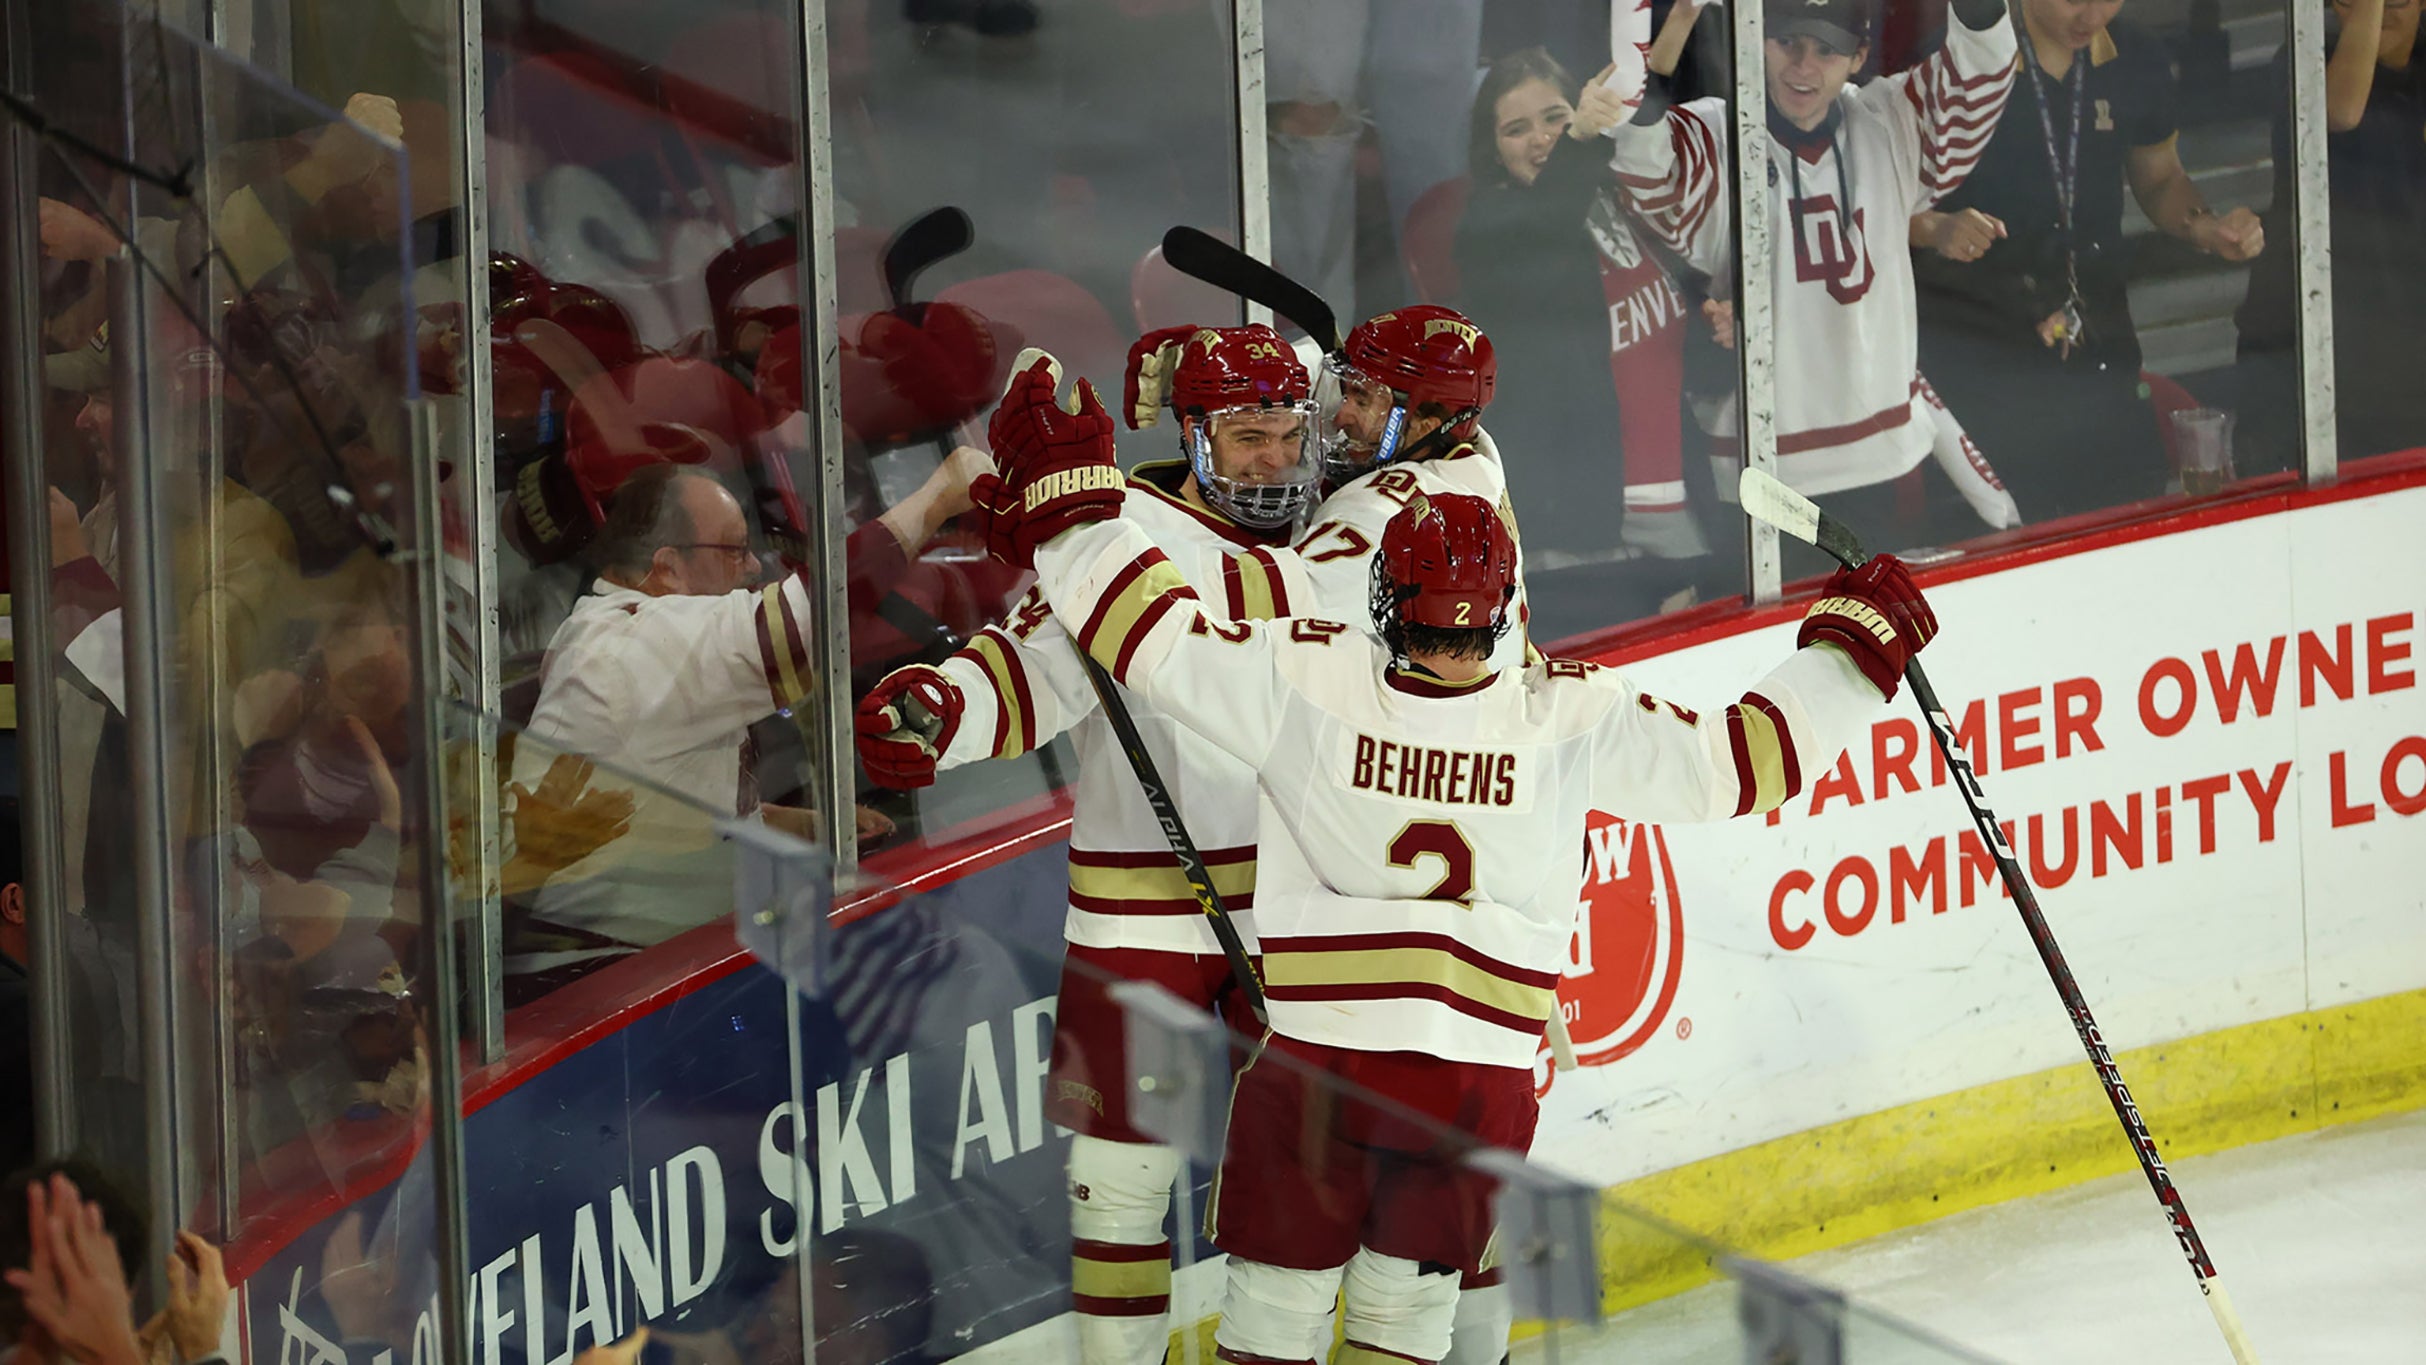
(1223, 517)
(1416, 870)
(1848, 166)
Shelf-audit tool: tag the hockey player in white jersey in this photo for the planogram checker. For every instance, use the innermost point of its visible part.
(1400, 407)
(1847, 167)
(1417, 874)
(1222, 517)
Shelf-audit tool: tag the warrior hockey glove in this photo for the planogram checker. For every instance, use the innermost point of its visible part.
(1152, 362)
(1057, 463)
(1876, 615)
(905, 723)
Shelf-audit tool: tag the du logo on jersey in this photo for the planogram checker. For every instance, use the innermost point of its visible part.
(1831, 249)
(1628, 949)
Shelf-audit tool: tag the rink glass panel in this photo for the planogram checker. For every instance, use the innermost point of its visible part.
(1389, 185)
(1071, 149)
(2179, 379)
(252, 933)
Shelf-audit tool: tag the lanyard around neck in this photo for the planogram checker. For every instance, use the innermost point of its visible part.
(2064, 165)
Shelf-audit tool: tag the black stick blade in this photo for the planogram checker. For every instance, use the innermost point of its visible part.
(1192, 251)
(921, 242)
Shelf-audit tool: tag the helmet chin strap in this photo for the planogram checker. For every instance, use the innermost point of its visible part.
(1436, 440)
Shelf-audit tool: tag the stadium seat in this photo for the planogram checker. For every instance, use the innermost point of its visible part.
(1052, 311)
(1163, 297)
(1426, 239)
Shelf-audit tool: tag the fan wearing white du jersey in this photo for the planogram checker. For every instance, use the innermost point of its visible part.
(1848, 166)
(1417, 873)
(1222, 518)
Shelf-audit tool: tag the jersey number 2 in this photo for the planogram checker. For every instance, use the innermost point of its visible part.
(1440, 839)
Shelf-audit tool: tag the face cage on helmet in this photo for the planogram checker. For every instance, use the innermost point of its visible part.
(1260, 506)
(1386, 597)
(1342, 458)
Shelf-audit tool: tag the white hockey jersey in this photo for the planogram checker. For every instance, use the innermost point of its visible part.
(1338, 550)
(1022, 684)
(1849, 410)
(1418, 869)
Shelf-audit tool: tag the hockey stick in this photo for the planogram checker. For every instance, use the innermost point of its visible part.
(1795, 515)
(1174, 832)
(1192, 251)
(921, 242)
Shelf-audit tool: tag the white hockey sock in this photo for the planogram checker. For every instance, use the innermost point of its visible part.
(1484, 1317)
(1392, 1310)
(1120, 1262)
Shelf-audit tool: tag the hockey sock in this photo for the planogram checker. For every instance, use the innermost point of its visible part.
(1120, 1262)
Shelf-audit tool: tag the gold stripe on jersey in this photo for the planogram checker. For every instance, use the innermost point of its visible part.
(785, 644)
(1120, 1279)
(1287, 968)
(1004, 676)
(1763, 756)
(1259, 589)
(1164, 883)
(1129, 606)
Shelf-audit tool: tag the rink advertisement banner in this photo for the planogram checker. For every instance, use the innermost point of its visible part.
(651, 1177)
(2207, 749)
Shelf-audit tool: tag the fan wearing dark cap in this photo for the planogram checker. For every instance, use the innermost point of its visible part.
(1848, 166)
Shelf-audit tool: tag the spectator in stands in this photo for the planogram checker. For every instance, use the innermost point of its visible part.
(1530, 275)
(2031, 338)
(1587, 316)
(658, 675)
(1328, 65)
(2375, 117)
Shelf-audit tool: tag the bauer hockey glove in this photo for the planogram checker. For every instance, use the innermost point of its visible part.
(1152, 361)
(1876, 615)
(905, 723)
(1057, 463)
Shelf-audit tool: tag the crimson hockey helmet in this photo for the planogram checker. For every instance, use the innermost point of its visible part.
(1243, 399)
(1448, 562)
(1389, 368)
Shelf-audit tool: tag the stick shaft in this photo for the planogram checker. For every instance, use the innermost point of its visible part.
(2052, 956)
(1839, 541)
(1174, 831)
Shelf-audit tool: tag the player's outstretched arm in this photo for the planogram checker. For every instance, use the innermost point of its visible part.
(1116, 593)
(1010, 689)
(1654, 760)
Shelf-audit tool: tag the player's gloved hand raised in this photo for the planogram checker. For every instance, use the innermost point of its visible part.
(1152, 362)
(1876, 614)
(1056, 458)
(905, 723)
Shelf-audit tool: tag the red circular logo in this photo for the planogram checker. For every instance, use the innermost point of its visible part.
(1628, 948)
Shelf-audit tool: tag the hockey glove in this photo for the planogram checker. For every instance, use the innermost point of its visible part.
(905, 723)
(1876, 615)
(1152, 362)
(1057, 463)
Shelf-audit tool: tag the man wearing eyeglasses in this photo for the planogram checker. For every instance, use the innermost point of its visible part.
(657, 676)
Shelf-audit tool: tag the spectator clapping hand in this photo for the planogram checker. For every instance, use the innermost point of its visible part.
(197, 1301)
(73, 1286)
(2235, 236)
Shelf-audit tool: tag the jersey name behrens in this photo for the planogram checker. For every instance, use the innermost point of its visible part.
(1456, 778)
